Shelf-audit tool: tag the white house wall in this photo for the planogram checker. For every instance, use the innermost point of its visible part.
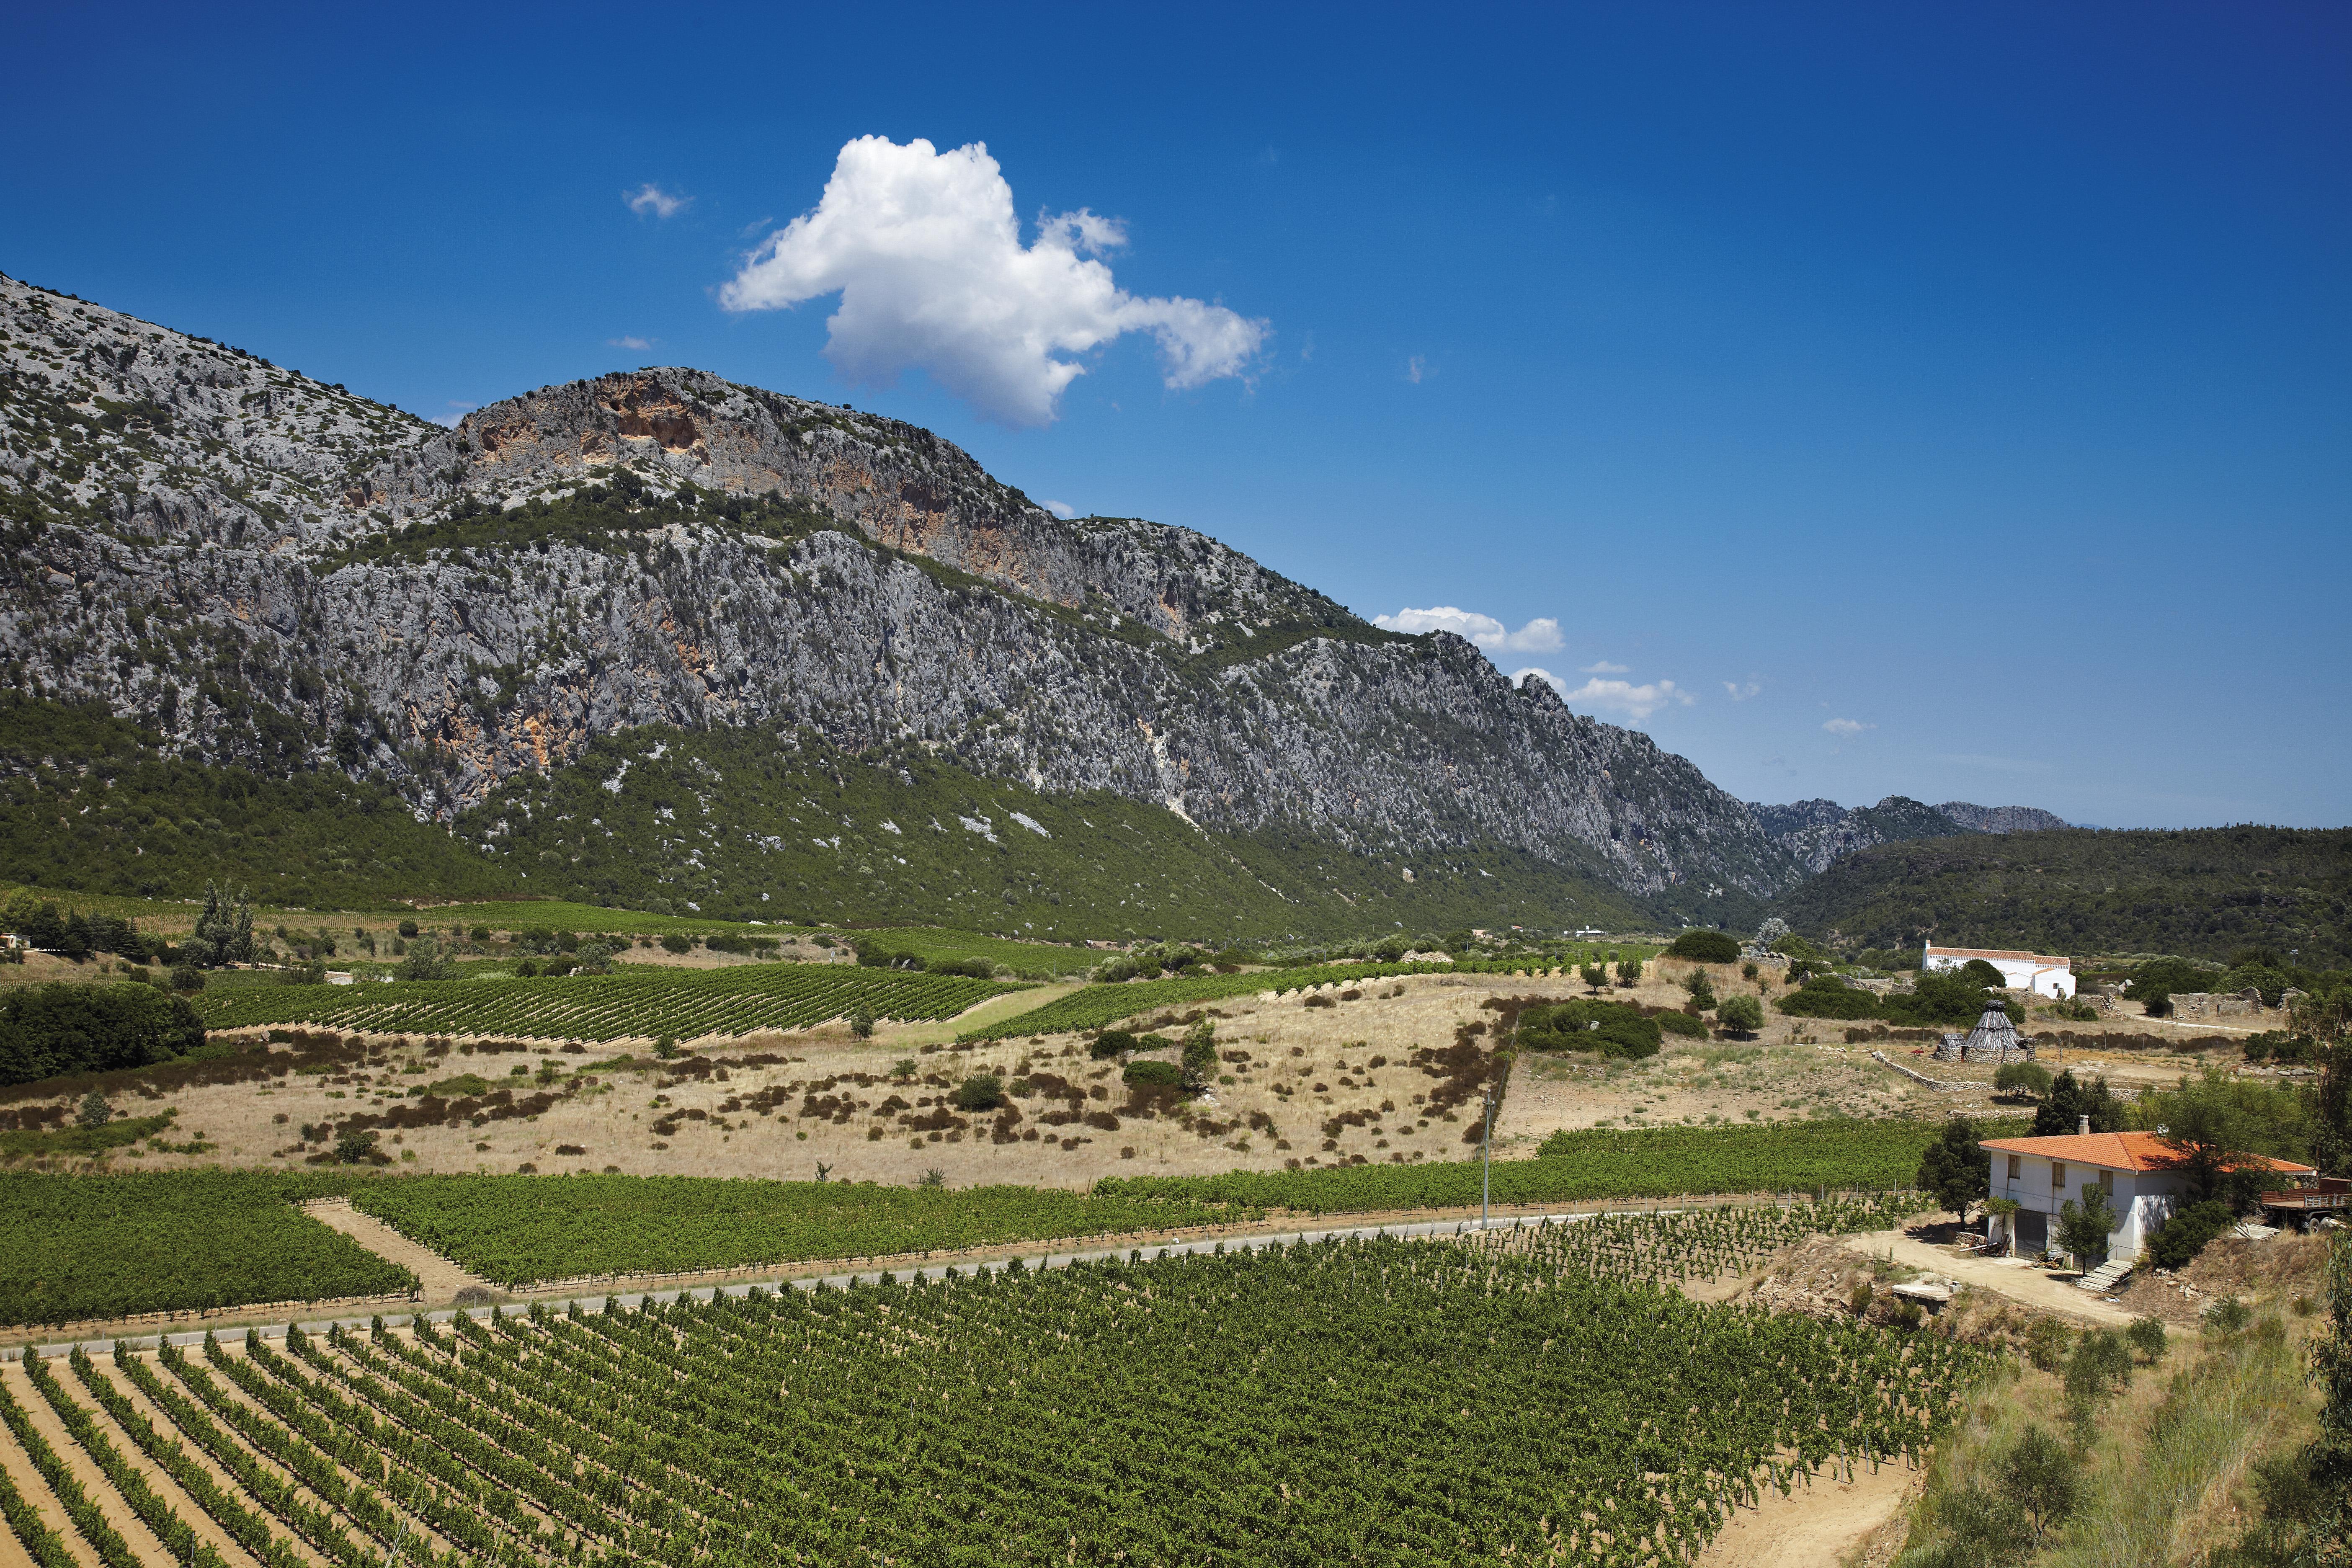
(2142, 1199)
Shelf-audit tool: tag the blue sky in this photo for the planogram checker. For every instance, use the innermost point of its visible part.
(1945, 401)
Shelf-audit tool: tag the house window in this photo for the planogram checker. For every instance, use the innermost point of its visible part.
(2058, 1175)
(2108, 1183)
(2016, 1166)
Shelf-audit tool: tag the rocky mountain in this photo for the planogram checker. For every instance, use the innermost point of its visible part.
(271, 573)
(2003, 818)
(1819, 833)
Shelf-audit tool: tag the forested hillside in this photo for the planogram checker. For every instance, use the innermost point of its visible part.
(2201, 892)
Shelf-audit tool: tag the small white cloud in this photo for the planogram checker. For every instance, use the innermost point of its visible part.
(653, 199)
(1846, 726)
(1060, 508)
(1602, 667)
(1741, 690)
(1614, 696)
(1415, 369)
(925, 251)
(456, 412)
(627, 342)
(1538, 635)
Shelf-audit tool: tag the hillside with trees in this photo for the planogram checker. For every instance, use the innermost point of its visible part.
(2198, 892)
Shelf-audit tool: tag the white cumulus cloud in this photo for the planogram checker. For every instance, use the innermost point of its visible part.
(1741, 690)
(925, 251)
(1538, 635)
(1060, 508)
(629, 342)
(1602, 667)
(1620, 697)
(1846, 726)
(653, 199)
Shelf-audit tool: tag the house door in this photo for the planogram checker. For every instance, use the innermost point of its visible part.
(2032, 1232)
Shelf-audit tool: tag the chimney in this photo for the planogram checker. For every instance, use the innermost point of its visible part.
(2086, 1126)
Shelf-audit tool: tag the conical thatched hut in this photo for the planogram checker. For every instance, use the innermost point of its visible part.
(1995, 1040)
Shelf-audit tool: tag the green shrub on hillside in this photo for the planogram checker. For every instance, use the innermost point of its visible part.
(1612, 1028)
(1703, 946)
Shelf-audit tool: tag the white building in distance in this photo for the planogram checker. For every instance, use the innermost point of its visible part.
(2035, 972)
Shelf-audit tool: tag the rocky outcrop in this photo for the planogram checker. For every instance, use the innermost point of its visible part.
(1819, 833)
(228, 552)
(2002, 818)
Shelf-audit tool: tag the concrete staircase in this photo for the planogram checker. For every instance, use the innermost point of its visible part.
(2102, 1280)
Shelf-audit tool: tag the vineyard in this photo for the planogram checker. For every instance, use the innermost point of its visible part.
(1099, 1007)
(518, 1229)
(1840, 1154)
(688, 1004)
(81, 1247)
(1381, 1401)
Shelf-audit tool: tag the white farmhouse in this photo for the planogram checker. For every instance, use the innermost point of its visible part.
(2035, 972)
(2140, 1172)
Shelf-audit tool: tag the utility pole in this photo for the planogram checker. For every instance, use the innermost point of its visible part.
(1486, 1159)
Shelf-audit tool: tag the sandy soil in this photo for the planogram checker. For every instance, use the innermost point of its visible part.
(441, 1278)
(834, 1101)
(206, 1529)
(2013, 1278)
(1812, 1526)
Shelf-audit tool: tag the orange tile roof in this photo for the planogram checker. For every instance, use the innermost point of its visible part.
(2129, 1152)
(2054, 961)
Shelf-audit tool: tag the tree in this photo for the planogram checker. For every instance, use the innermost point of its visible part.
(1628, 971)
(1595, 976)
(1983, 975)
(861, 1021)
(2146, 1336)
(2032, 1077)
(49, 1030)
(1112, 1044)
(2325, 1018)
(2084, 1227)
(354, 1145)
(664, 1047)
(2041, 1479)
(2070, 1100)
(223, 932)
(1953, 1170)
(425, 962)
(1773, 930)
(2215, 1116)
(1701, 989)
(1200, 1059)
(1743, 1016)
(94, 1111)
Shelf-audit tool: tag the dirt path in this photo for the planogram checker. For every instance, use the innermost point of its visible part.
(944, 1031)
(2009, 1276)
(441, 1277)
(207, 1530)
(1812, 1526)
(84, 1469)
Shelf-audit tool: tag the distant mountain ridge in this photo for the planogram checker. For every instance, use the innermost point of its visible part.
(2004, 819)
(1820, 833)
(269, 572)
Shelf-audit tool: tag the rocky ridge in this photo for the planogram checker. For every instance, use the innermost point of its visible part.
(275, 572)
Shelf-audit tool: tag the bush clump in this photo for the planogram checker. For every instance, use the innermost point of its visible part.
(1612, 1028)
(1706, 947)
(2183, 1236)
(981, 1091)
(1111, 1043)
(1150, 1074)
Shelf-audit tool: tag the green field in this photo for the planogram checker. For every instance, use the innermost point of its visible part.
(1589, 1166)
(1099, 1007)
(104, 1247)
(1374, 1402)
(515, 1229)
(684, 1003)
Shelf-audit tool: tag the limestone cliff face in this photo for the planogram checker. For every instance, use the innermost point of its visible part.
(218, 547)
(1819, 833)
